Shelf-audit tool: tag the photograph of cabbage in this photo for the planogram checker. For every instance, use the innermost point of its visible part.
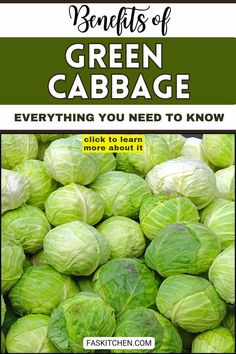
(130, 244)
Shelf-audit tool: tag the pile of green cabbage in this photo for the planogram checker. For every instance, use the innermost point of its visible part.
(125, 245)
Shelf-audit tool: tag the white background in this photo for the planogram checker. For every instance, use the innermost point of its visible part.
(52, 20)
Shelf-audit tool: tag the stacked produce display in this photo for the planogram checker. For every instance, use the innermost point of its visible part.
(117, 245)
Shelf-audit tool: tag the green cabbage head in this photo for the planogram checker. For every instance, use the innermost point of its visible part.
(124, 236)
(13, 259)
(41, 289)
(192, 148)
(217, 340)
(186, 247)
(219, 216)
(28, 224)
(190, 302)
(156, 150)
(17, 148)
(187, 177)
(126, 283)
(219, 149)
(14, 190)
(74, 202)
(225, 183)
(29, 335)
(229, 321)
(41, 185)
(157, 212)
(142, 322)
(75, 248)
(175, 144)
(83, 315)
(222, 274)
(122, 193)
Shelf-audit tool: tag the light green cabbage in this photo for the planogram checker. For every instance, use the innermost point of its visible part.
(41, 185)
(126, 283)
(14, 190)
(142, 322)
(186, 247)
(225, 182)
(75, 248)
(218, 340)
(156, 150)
(124, 236)
(66, 163)
(74, 202)
(13, 259)
(122, 193)
(83, 315)
(175, 144)
(222, 274)
(38, 258)
(157, 212)
(29, 335)
(220, 217)
(188, 177)
(192, 148)
(190, 302)
(27, 224)
(41, 289)
(17, 148)
(106, 162)
(229, 321)
(219, 149)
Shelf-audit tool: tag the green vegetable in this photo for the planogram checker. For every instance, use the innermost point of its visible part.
(41, 185)
(49, 137)
(218, 340)
(74, 202)
(155, 151)
(14, 190)
(124, 236)
(229, 322)
(175, 144)
(192, 148)
(219, 216)
(186, 177)
(17, 148)
(66, 163)
(186, 247)
(28, 224)
(142, 322)
(157, 212)
(75, 248)
(122, 193)
(222, 274)
(219, 149)
(83, 315)
(38, 258)
(29, 335)
(13, 259)
(126, 283)
(41, 289)
(190, 302)
(225, 182)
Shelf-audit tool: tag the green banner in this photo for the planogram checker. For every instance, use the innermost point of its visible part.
(168, 71)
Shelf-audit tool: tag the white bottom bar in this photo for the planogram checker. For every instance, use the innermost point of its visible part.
(118, 117)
